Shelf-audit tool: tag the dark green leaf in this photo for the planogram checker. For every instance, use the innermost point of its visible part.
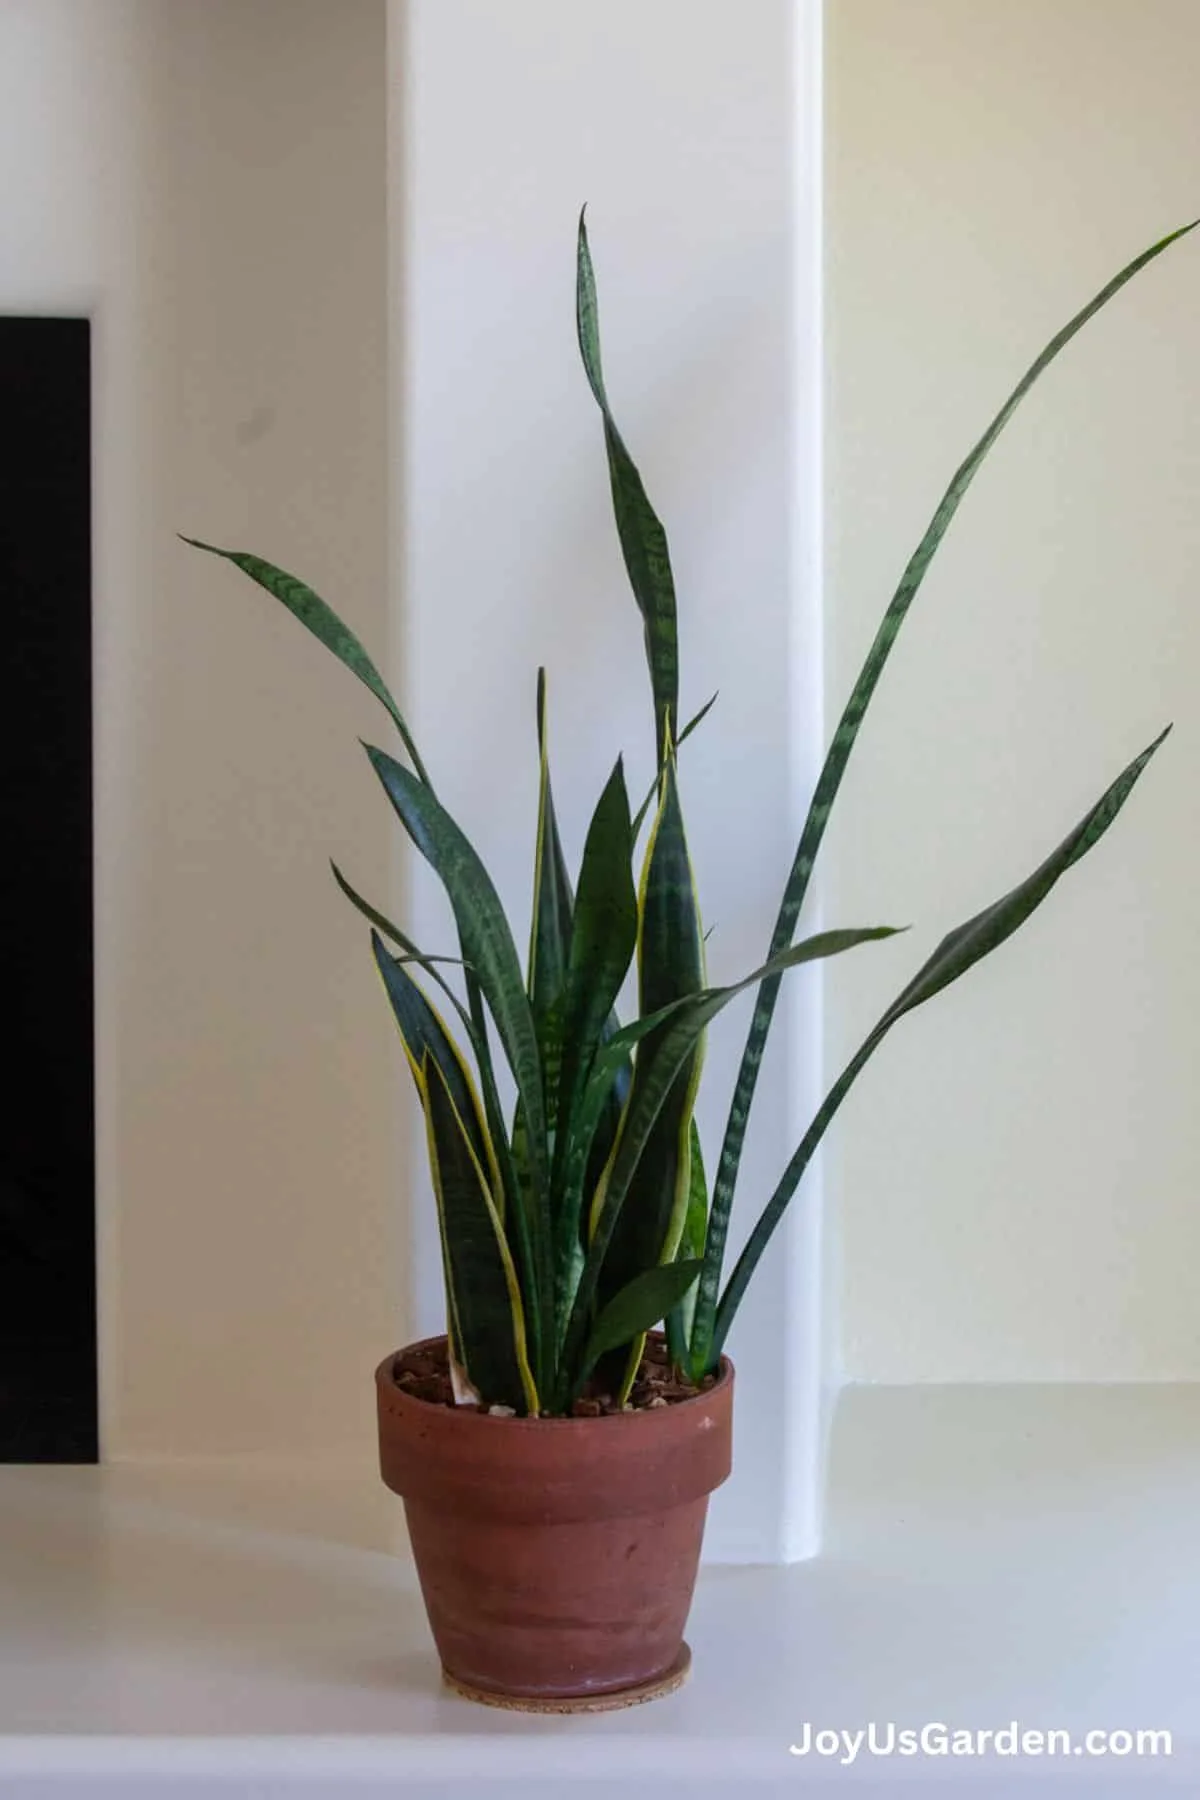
(684, 735)
(482, 1278)
(603, 935)
(488, 948)
(594, 1127)
(550, 926)
(959, 951)
(830, 778)
(325, 626)
(594, 1163)
(487, 940)
(637, 1308)
(670, 967)
(963, 947)
(602, 944)
(689, 1018)
(412, 953)
(691, 1245)
(643, 540)
(424, 1034)
(510, 1186)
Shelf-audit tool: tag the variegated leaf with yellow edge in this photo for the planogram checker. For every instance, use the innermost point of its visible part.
(488, 1312)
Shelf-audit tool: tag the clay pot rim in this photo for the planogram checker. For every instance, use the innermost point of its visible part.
(471, 1415)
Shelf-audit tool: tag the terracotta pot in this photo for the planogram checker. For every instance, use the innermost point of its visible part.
(556, 1557)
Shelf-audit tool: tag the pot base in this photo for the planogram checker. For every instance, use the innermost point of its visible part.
(613, 1701)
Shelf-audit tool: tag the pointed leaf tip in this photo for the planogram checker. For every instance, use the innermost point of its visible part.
(319, 618)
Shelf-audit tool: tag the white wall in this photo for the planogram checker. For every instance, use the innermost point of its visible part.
(1016, 1176)
(680, 133)
(206, 178)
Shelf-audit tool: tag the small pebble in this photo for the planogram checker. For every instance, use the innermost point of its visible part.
(658, 1400)
(502, 1412)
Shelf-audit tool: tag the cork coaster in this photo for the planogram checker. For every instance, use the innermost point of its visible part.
(613, 1701)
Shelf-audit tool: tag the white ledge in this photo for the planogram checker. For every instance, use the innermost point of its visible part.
(993, 1554)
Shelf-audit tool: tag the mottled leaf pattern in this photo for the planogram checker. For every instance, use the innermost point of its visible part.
(959, 951)
(487, 1301)
(424, 1034)
(488, 948)
(550, 924)
(830, 779)
(325, 626)
(602, 944)
(643, 540)
(670, 967)
(689, 1018)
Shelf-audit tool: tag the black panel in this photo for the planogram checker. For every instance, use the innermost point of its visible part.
(47, 1223)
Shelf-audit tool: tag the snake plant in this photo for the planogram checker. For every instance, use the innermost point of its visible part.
(572, 1227)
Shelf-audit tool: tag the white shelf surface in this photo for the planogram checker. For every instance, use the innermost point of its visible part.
(992, 1554)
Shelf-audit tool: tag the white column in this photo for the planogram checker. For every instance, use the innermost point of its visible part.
(691, 129)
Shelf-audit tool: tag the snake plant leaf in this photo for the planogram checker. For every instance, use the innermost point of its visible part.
(412, 953)
(697, 718)
(487, 1298)
(619, 1081)
(487, 939)
(670, 967)
(519, 1139)
(596, 1161)
(613, 1056)
(325, 626)
(689, 1018)
(491, 1100)
(550, 926)
(603, 935)
(594, 1127)
(633, 1311)
(691, 1247)
(487, 945)
(643, 540)
(652, 790)
(958, 951)
(424, 1034)
(844, 738)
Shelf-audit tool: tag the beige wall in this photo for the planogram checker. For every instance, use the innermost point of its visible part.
(207, 177)
(1017, 1178)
